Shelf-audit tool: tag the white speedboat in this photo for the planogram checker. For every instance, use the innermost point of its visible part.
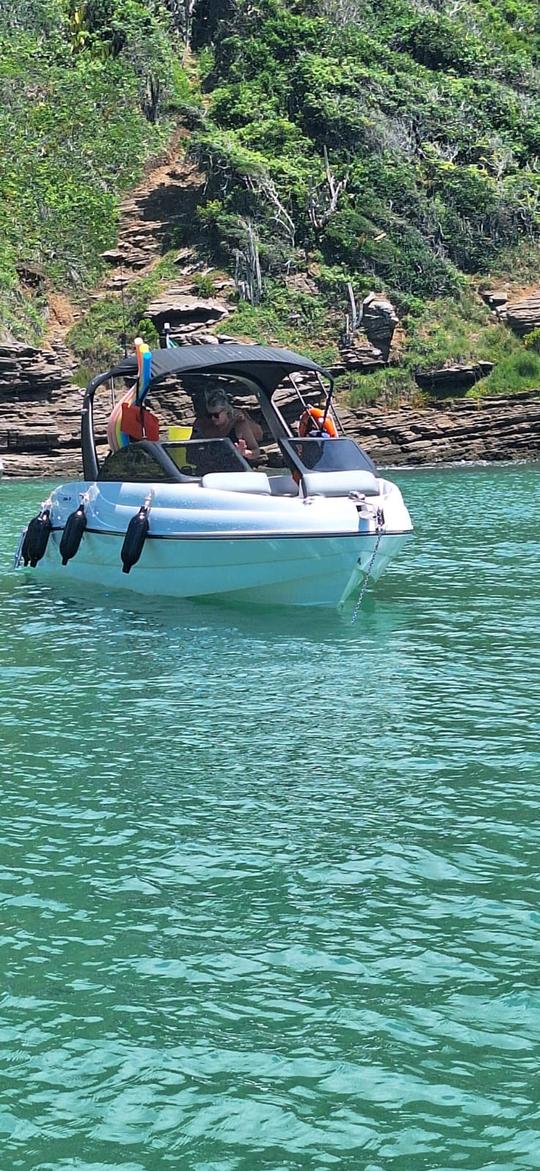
(190, 517)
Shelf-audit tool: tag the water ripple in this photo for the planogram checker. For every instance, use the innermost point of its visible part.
(268, 882)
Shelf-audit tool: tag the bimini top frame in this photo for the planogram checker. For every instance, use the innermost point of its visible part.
(262, 366)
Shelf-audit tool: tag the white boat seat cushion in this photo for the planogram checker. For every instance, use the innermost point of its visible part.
(283, 485)
(340, 483)
(238, 482)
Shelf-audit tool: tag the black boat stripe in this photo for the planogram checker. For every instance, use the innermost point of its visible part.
(239, 536)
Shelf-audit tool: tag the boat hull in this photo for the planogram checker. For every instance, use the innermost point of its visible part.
(302, 570)
(205, 541)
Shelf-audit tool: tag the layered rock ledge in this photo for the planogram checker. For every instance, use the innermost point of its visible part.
(468, 430)
(40, 409)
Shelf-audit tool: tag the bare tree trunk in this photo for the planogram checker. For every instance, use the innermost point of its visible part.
(324, 198)
(151, 98)
(264, 186)
(189, 9)
(353, 319)
(182, 12)
(247, 273)
(342, 12)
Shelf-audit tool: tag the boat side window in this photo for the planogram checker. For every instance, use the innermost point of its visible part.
(134, 465)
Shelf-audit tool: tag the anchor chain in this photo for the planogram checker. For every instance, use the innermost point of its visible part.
(379, 530)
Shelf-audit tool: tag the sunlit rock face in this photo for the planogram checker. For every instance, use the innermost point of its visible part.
(520, 311)
(180, 309)
(452, 378)
(523, 315)
(379, 320)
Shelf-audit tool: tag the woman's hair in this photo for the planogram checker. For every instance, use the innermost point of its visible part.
(216, 400)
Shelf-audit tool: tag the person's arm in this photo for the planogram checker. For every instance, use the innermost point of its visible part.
(201, 429)
(251, 433)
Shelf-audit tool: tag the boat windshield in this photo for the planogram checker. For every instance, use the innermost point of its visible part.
(146, 462)
(198, 457)
(326, 454)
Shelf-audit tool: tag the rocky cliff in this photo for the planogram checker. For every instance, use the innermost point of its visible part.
(40, 421)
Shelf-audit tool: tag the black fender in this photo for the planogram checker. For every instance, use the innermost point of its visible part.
(73, 534)
(134, 539)
(36, 538)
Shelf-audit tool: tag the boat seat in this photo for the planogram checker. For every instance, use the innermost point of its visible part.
(283, 485)
(340, 483)
(254, 482)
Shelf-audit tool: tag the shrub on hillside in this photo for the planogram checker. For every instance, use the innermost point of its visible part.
(438, 42)
(532, 341)
(520, 371)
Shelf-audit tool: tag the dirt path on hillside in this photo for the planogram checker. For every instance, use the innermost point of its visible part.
(155, 216)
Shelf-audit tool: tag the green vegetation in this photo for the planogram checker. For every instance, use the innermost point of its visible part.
(448, 332)
(392, 147)
(460, 330)
(203, 284)
(396, 143)
(288, 317)
(82, 87)
(99, 337)
(532, 341)
(379, 144)
(390, 388)
(519, 371)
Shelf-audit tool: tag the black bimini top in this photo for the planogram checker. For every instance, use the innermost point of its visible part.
(266, 364)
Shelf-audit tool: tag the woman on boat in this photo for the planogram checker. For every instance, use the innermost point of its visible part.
(220, 420)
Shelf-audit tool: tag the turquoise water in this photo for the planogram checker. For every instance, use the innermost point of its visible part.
(270, 882)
